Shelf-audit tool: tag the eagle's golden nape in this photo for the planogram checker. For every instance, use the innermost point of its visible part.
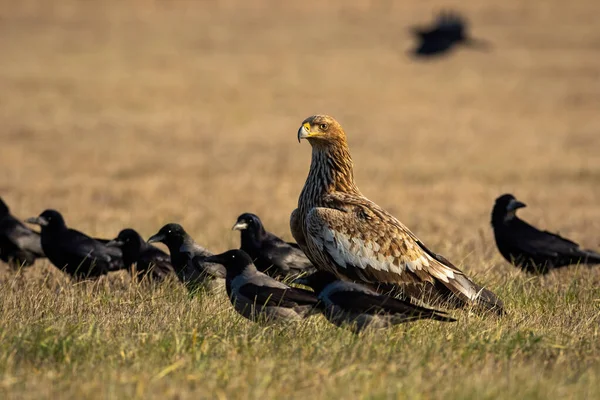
(343, 232)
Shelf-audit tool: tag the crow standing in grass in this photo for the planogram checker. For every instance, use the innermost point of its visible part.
(257, 296)
(74, 252)
(19, 245)
(188, 258)
(149, 261)
(357, 307)
(343, 232)
(271, 254)
(529, 248)
(449, 30)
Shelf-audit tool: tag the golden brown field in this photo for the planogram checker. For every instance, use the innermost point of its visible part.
(137, 113)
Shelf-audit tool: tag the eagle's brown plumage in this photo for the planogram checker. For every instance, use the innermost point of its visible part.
(343, 232)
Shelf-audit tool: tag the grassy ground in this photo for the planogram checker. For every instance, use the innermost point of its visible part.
(134, 114)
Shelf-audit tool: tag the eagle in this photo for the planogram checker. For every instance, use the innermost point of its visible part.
(344, 233)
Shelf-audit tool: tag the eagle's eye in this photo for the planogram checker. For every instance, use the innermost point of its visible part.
(323, 127)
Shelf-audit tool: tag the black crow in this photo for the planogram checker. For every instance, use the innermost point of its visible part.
(449, 30)
(19, 245)
(74, 252)
(355, 306)
(271, 254)
(259, 297)
(149, 261)
(192, 269)
(529, 248)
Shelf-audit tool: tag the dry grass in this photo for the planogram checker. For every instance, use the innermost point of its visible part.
(144, 112)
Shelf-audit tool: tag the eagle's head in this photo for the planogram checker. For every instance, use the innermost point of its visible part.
(321, 130)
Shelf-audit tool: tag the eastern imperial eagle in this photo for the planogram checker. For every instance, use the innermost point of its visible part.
(343, 232)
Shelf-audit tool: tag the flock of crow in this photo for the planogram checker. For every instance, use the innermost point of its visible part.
(364, 268)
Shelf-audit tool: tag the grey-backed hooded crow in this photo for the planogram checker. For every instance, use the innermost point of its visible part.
(356, 307)
(271, 255)
(529, 248)
(74, 252)
(193, 270)
(19, 245)
(448, 31)
(149, 261)
(259, 297)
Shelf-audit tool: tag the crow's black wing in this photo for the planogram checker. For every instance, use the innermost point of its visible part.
(155, 260)
(285, 257)
(536, 243)
(82, 246)
(275, 296)
(21, 236)
(362, 302)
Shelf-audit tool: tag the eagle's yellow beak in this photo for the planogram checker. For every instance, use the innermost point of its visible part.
(304, 132)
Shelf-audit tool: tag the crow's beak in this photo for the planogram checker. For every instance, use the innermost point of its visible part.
(41, 221)
(515, 205)
(114, 243)
(239, 226)
(159, 237)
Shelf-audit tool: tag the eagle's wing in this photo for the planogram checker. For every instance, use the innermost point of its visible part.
(364, 242)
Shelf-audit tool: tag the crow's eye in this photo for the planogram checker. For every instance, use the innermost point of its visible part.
(323, 127)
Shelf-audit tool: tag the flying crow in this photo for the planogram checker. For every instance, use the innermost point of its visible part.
(448, 31)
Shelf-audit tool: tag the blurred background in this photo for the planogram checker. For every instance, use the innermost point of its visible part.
(137, 113)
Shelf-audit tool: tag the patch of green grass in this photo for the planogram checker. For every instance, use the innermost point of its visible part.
(118, 340)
